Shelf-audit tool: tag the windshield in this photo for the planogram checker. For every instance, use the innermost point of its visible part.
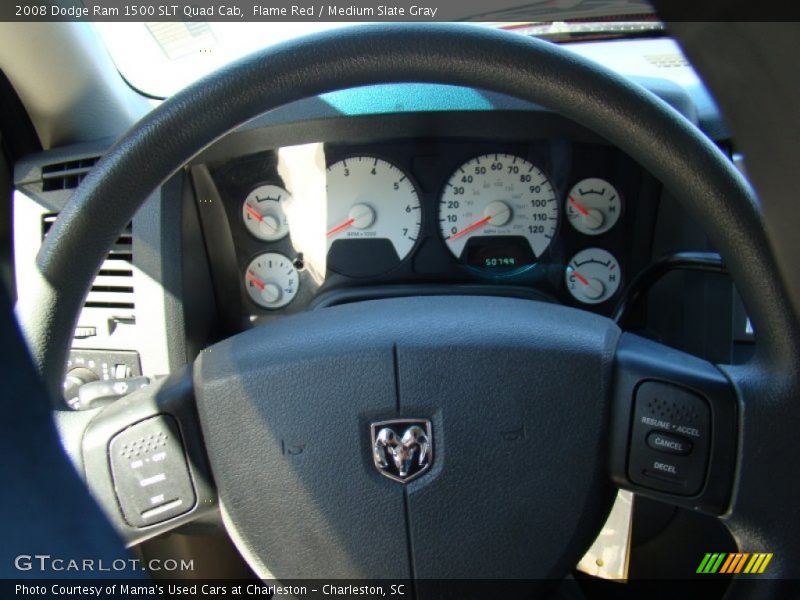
(161, 58)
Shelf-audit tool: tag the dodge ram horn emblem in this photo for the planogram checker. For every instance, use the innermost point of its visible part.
(402, 449)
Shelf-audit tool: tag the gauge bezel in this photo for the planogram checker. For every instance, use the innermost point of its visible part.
(244, 220)
(620, 215)
(589, 303)
(243, 280)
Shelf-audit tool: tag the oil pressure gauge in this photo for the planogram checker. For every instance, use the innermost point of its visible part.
(593, 206)
(271, 280)
(263, 214)
(593, 276)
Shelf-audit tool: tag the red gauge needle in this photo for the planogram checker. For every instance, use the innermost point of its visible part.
(254, 213)
(255, 280)
(580, 277)
(579, 207)
(341, 227)
(472, 227)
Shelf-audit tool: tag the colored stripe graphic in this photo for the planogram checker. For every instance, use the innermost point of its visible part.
(711, 562)
(703, 563)
(754, 564)
(767, 558)
(734, 562)
(728, 562)
(738, 563)
(717, 563)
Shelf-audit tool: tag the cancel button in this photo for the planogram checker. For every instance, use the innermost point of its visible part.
(671, 444)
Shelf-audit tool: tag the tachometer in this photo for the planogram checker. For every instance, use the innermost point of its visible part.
(374, 215)
(498, 212)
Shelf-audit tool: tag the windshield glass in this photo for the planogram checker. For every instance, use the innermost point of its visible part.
(160, 58)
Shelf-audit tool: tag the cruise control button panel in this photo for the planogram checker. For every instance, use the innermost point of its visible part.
(150, 473)
(670, 439)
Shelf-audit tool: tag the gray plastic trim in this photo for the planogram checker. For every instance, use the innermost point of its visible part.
(150, 335)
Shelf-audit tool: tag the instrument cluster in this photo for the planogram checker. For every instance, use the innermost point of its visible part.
(554, 216)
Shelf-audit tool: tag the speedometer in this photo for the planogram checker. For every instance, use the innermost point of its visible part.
(498, 212)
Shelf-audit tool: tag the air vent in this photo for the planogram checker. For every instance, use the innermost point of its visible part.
(113, 285)
(66, 175)
(667, 61)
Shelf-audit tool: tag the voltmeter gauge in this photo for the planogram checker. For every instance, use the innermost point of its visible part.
(593, 206)
(263, 214)
(593, 276)
(271, 280)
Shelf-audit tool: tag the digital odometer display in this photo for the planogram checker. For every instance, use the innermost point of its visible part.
(500, 254)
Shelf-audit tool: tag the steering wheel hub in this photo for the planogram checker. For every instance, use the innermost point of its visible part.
(298, 416)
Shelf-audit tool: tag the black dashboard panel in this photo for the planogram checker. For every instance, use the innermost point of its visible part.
(429, 161)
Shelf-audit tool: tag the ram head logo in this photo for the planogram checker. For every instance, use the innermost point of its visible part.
(402, 449)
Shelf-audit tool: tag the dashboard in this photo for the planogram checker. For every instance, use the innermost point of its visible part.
(553, 218)
(285, 215)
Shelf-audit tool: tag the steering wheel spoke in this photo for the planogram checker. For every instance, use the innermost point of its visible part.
(145, 463)
(674, 426)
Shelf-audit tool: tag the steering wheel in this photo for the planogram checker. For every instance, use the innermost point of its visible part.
(523, 455)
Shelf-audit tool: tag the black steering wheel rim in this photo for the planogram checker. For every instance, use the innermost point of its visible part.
(674, 151)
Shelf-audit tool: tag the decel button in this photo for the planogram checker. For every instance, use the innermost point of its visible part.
(671, 444)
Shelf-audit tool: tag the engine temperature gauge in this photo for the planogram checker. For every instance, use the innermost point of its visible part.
(593, 276)
(263, 215)
(271, 280)
(593, 206)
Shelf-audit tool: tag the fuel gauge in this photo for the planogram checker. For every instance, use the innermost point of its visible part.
(271, 280)
(593, 276)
